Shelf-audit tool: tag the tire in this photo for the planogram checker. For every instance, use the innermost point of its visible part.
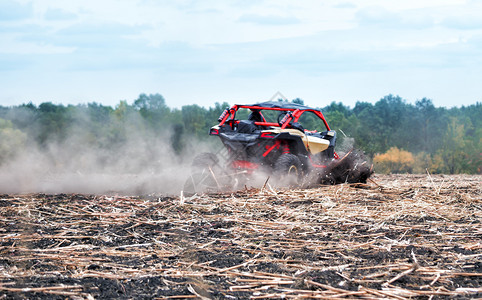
(205, 160)
(205, 168)
(200, 182)
(288, 170)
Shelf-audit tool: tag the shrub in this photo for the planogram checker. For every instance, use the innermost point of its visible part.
(394, 161)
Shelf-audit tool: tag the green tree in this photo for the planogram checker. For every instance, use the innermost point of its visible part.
(194, 119)
(11, 140)
(298, 101)
(153, 109)
(443, 140)
(453, 150)
(53, 122)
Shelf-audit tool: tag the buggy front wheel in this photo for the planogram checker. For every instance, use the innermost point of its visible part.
(288, 170)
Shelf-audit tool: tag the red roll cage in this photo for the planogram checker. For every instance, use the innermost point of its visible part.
(294, 114)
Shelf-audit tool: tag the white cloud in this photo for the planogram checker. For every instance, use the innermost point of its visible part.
(12, 43)
(11, 10)
(271, 44)
(268, 19)
(55, 14)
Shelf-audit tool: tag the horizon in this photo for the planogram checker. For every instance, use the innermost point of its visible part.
(131, 102)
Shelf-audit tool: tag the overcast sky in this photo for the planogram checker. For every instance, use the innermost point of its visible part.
(202, 52)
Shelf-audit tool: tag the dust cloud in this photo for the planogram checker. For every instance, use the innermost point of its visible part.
(143, 162)
(345, 145)
(138, 161)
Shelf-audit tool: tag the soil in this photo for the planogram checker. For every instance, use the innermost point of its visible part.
(398, 236)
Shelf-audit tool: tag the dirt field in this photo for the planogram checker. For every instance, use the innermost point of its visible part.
(397, 237)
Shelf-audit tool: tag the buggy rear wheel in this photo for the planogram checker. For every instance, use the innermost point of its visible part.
(205, 160)
(205, 168)
(200, 182)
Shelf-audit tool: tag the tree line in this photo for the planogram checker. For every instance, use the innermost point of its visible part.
(398, 136)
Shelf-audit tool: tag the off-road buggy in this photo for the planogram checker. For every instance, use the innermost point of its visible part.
(292, 143)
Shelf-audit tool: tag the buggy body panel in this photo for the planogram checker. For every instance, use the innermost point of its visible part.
(261, 138)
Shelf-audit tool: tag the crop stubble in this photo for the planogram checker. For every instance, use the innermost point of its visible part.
(399, 236)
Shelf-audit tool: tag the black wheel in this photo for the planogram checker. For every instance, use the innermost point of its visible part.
(288, 169)
(205, 160)
(204, 176)
(200, 182)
